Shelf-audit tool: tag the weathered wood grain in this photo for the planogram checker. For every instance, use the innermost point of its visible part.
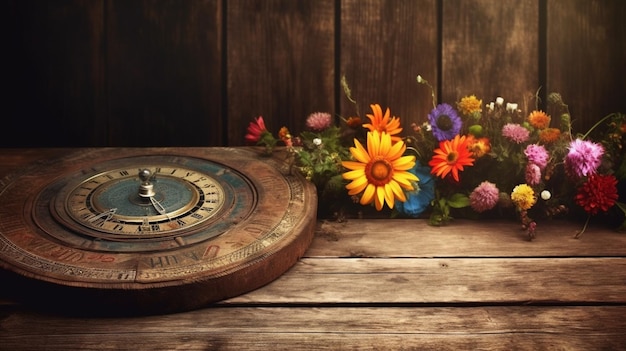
(462, 238)
(489, 49)
(447, 280)
(381, 284)
(195, 73)
(373, 328)
(164, 73)
(384, 46)
(280, 63)
(585, 57)
(53, 73)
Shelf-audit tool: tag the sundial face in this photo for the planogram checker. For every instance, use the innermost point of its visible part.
(155, 230)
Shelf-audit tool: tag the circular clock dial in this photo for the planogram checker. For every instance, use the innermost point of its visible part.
(155, 230)
(111, 202)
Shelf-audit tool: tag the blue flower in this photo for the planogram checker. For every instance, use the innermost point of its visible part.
(445, 122)
(418, 200)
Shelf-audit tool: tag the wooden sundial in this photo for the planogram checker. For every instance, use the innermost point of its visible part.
(152, 230)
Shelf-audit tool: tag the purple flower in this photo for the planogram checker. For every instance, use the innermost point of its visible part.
(515, 133)
(484, 197)
(584, 158)
(533, 174)
(445, 122)
(319, 121)
(537, 154)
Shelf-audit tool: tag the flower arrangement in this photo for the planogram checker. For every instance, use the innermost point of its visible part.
(469, 159)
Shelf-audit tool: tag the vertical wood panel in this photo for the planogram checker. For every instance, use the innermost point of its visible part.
(148, 72)
(586, 44)
(490, 49)
(53, 73)
(164, 71)
(280, 63)
(384, 46)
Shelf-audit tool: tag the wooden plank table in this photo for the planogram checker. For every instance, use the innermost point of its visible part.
(373, 284)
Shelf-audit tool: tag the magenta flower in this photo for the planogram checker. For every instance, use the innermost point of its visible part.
(533, 174)
(484, 197)
(584, 158)
(255, 130)
(319, 121)
(537, 154)
(515, 133)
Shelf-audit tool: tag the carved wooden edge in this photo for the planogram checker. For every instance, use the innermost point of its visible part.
(261, 270)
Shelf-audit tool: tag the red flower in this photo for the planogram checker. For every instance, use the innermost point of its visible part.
(255, 130)
(599, 192)
(451, 157)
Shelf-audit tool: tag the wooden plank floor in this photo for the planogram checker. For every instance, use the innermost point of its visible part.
(388, 285)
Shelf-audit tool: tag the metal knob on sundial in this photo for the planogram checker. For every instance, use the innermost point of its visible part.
(146, 189)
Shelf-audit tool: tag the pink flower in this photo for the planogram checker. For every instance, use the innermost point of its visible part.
(255, 130)
(319, 121)
(515, 133)
(584, 158)
(537, 154)
(533, 174)
(484, 197)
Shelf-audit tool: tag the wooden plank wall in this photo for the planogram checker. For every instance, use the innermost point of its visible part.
(195, 73)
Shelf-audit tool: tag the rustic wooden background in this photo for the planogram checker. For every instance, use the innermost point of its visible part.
(196, 72)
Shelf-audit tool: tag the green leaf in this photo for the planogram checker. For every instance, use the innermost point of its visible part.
(621, 206)
(458, 200)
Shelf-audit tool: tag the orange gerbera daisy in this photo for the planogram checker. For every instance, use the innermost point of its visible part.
(380, 171)
(451, 156)
(549, 135)
(539, 119)
(384, 123)
(479, 147)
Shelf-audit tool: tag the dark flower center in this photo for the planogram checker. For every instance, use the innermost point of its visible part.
(452, 157)
(444, 122)
(378, 172)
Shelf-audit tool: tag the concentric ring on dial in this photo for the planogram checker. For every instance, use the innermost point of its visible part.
(237, 201)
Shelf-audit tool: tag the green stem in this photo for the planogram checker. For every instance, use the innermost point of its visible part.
(421, 80)
(584, 228)
(597, 124)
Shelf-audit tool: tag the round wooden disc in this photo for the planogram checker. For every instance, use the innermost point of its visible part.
(264, 227)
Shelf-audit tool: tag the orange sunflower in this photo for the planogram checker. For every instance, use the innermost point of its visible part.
(451, 156)
(384, 123)
(380, 171)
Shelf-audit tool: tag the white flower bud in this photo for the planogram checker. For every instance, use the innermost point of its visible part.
(545, 195)
(511, 107)
(499, 101)
(317, 141)
(491, 106)
(420, 79)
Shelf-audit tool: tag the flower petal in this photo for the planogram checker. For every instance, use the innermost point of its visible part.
(368, 194)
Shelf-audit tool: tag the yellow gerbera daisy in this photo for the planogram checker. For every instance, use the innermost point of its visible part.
(380, 171)
(469, 105)
(539, 119)
(523, 196)
(384, 123)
